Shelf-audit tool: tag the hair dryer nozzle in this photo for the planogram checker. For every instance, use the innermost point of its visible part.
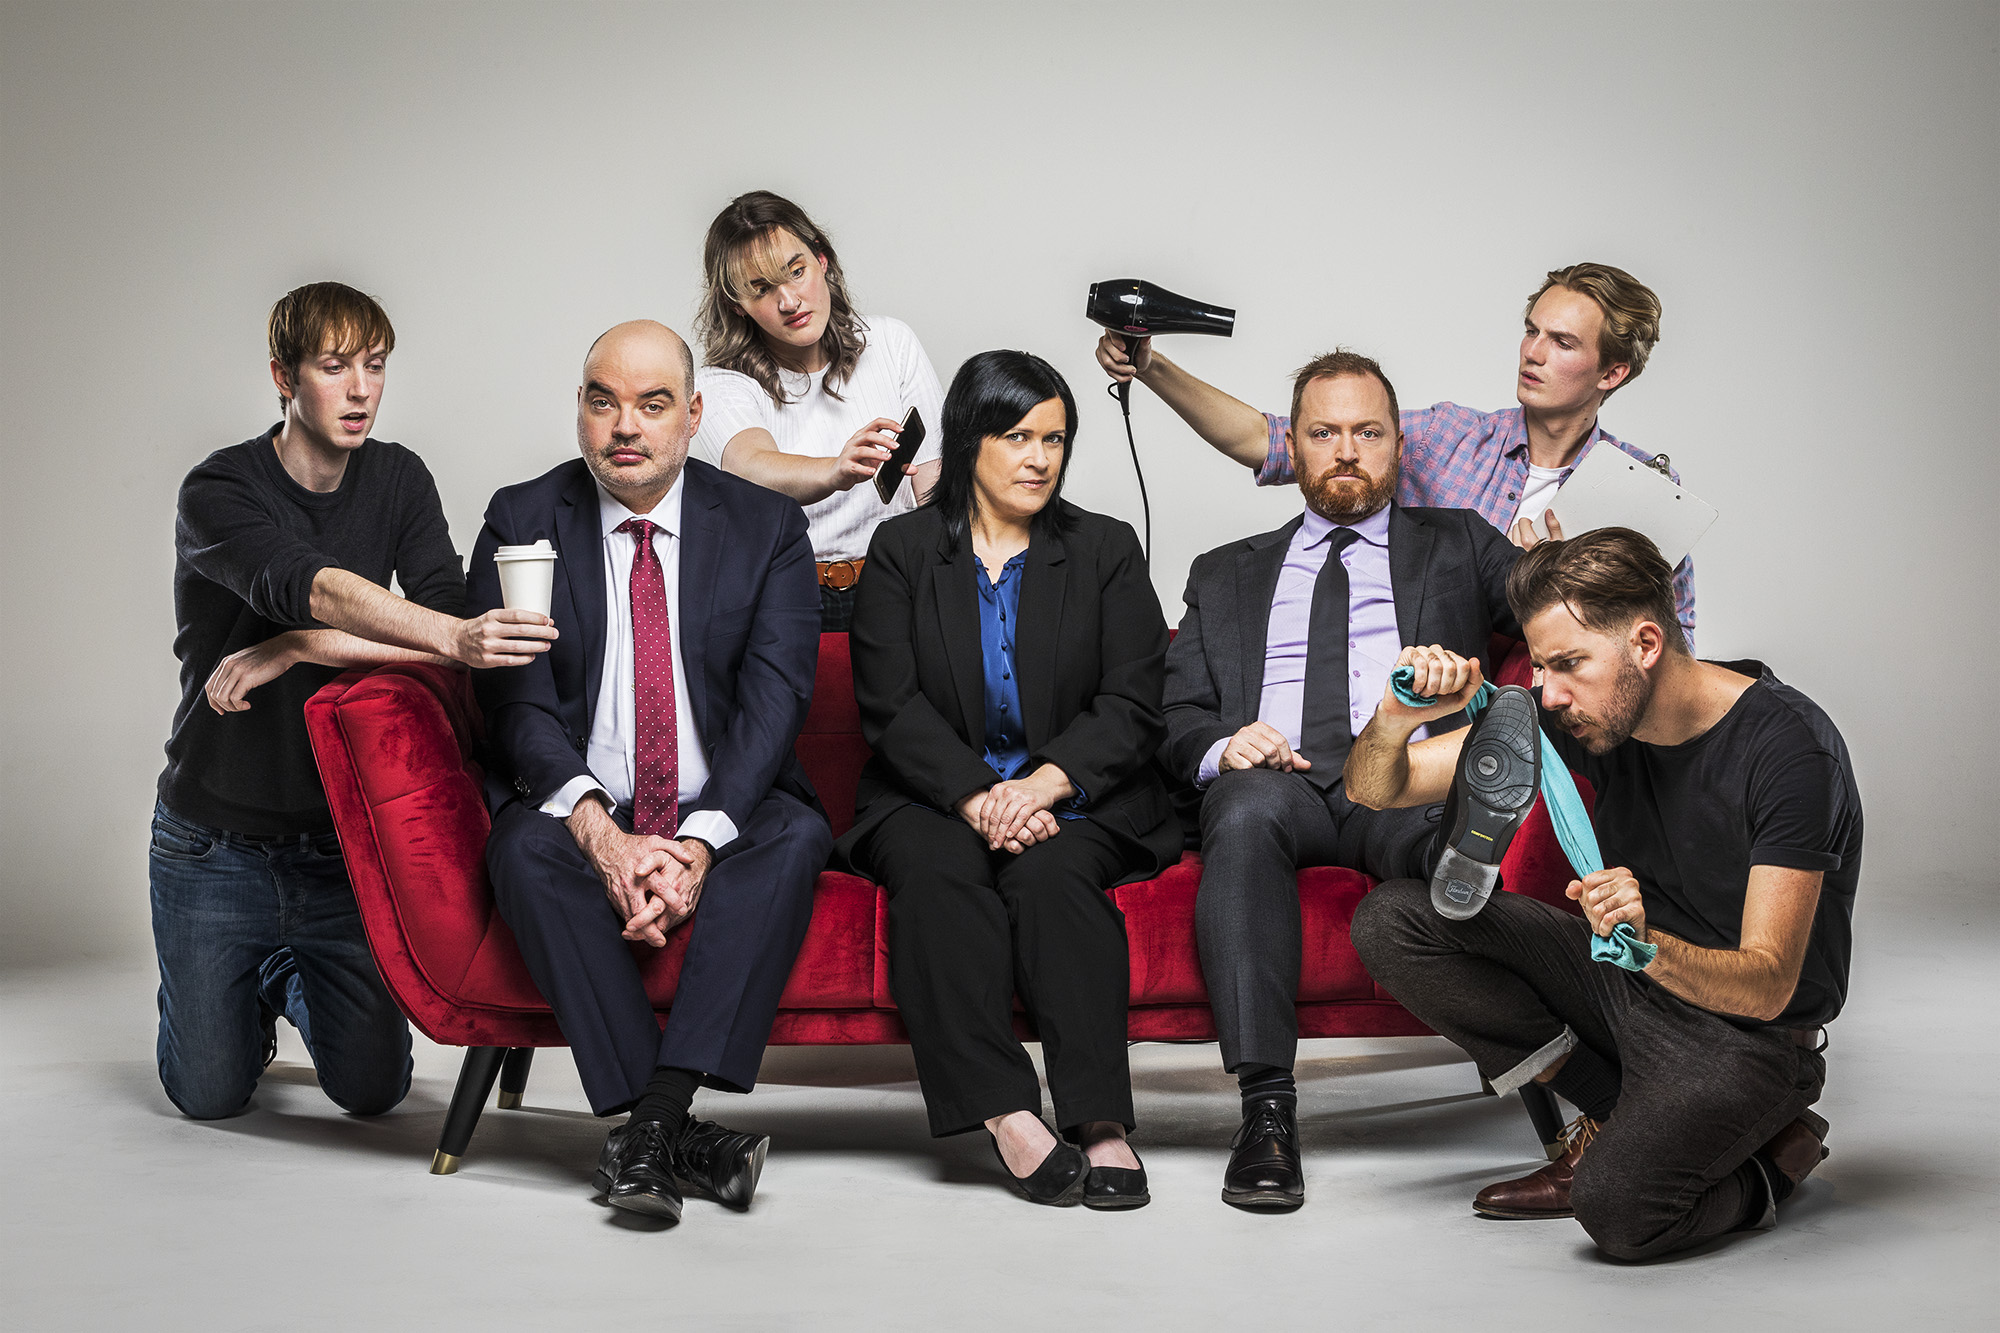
(1141, 309)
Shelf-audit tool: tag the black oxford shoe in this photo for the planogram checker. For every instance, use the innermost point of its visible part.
(1264, 1169)
(610, 1159)
(645, 1180)
(719, 1163)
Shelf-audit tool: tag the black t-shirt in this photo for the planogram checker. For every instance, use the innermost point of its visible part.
(1770, 784)
(248, 542)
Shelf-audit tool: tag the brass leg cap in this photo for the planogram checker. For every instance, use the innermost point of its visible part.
(509, 1101)
(443, 1163)
(1554, 1150)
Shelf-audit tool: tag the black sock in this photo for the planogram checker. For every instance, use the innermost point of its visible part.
(1781, 1184)
(1588, 1082)
(1260, 1081)
(669, 1093)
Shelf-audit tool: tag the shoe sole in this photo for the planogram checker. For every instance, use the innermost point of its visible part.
(647, 1205)
(1273, 1200)
(1520, 1214)
(1118, 1203)
(1499, 776)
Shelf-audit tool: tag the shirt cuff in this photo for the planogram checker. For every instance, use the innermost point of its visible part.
(1211, 765)
(1277, 469)
(563, 804)
(711, 826)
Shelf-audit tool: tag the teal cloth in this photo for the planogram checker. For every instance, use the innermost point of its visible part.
(1565, 806)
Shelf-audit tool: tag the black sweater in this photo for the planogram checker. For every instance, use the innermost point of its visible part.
(248, 542)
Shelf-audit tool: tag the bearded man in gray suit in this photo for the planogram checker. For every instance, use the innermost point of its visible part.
(1282, 655)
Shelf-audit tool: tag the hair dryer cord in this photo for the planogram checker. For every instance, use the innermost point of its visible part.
(1123, 393)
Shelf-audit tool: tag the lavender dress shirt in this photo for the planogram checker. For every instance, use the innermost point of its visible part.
(1373, 641)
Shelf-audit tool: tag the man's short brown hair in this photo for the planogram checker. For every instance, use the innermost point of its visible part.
(326, 316)
(1631, 313)
(1608, 579)
(1332, 365)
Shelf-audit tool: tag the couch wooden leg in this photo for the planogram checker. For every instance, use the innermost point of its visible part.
(468, 1099)
(1546, 1117)
(514, 1076)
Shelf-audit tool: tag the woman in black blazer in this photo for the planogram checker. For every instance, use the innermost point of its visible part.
(1008, 660)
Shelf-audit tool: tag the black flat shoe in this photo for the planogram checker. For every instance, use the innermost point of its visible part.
(1264, 1170)
(720, 1164)
(1113, 1187)
(1499, 775)
(645, 1180)
(1059, 1181)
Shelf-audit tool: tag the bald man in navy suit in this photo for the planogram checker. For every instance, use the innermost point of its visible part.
(641, 773)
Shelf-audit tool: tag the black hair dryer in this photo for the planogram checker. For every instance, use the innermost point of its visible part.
(1135, 308)
(1139, 309)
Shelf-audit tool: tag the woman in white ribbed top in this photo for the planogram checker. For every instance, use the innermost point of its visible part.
(802, 394)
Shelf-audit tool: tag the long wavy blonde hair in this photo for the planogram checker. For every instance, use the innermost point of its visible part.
(741, 245)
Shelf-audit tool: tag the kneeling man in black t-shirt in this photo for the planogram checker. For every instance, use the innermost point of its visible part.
(1731, 831)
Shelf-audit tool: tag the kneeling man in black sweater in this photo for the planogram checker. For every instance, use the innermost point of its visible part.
(284, 548)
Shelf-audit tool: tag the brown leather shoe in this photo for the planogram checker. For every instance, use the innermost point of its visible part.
(1544, 1193)
(1798, 1147)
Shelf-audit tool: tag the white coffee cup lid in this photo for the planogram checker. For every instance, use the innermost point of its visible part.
(541, 550)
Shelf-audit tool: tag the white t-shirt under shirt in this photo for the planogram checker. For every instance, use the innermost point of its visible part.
(1543, 483)
(892, 376)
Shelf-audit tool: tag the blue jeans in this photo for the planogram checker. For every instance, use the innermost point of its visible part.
(237, 922)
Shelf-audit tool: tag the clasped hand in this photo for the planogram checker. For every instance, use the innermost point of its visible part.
(1609, 898)
(1019, 813)
(653, 883)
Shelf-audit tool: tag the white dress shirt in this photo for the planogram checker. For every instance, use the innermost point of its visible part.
(614, 723)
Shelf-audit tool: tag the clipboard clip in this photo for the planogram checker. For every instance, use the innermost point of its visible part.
(1660, 463)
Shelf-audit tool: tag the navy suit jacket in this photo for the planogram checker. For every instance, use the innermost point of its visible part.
(747, 627)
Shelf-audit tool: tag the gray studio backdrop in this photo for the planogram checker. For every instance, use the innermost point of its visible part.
(1811, 188)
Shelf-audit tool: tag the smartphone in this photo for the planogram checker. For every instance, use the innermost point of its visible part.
(908, 440)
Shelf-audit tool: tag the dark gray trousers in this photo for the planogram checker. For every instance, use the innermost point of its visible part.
(1516, 987)
(1258, 827)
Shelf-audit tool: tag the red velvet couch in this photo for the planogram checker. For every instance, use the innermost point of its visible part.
(395, 749)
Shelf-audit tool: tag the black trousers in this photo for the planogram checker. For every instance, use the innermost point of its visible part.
(969, 927)
(1515, 986)
(742, 941)
(1258, 827)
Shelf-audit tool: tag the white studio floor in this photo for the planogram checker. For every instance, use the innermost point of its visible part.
(120, 1214)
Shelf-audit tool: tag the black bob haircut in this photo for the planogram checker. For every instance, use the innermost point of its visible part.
(989, 395)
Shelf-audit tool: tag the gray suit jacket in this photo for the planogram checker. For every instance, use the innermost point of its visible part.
(1448, 568)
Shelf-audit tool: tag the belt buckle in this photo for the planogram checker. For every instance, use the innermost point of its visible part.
(840, 575)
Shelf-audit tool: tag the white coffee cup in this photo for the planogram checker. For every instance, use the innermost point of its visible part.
(527, 576)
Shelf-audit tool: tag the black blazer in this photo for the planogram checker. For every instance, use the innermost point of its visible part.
(1447, 567)
(1091, 656)
(747, 627)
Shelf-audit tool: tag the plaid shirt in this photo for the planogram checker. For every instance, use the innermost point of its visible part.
(1456, 458)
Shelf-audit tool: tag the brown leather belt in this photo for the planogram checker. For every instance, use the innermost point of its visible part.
(840, 574)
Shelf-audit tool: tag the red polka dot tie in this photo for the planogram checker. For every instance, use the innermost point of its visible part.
(656, 798)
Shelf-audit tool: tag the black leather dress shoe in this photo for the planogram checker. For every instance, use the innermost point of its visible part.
(1499, 775)
(719, 1163)
(1264, 1169)
(1112, 1187)
(1059, 1181)
(610, 1159)
(645, 1180)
